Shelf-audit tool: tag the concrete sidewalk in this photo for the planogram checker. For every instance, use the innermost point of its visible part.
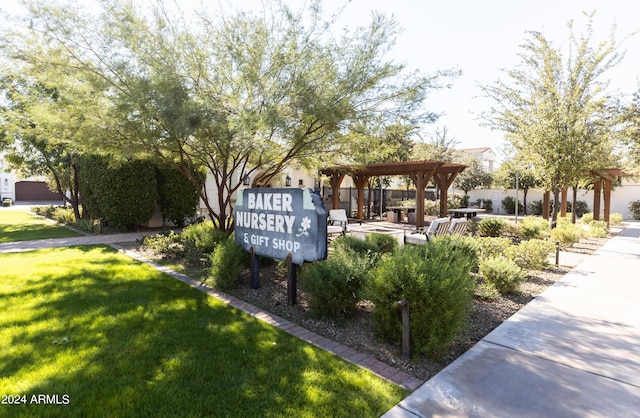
(574, 351)
(19, 246)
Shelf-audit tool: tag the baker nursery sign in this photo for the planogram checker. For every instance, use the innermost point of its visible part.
(279, 222)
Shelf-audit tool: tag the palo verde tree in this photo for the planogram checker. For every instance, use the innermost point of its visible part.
(236, 92)
(45, 115)
(553, 108)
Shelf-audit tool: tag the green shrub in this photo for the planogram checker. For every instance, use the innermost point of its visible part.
(615, 219)
(535, 208)
(509, 205)
(88, 225)
(502, 273)
(63, 215)
(532, 254)
(46, 211)
(166, 244)
(491, 227)
(587, 218)
(436, 282)
(465, 244)
(385, 243)
(352, 244)
(581, 208)
(334, 286)
(598, 229)
(201, 238)
(227, 262)
(488, 247)
(123, 196)
(177, 196)
(634, 208)
(6, 202)
(533, 228)
(565, 232)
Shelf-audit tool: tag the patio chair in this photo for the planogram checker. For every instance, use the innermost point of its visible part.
(337, 222)
(458, 226)
(439, 226)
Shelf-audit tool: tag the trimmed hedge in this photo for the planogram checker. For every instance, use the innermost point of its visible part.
(124, 196)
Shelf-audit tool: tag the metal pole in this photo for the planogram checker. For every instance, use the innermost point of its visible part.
(517, 185)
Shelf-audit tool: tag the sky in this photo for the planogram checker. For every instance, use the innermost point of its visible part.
(482, 38)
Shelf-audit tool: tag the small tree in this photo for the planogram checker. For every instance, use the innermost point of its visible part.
(473, 177)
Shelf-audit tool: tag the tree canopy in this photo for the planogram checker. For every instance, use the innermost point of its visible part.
(554, 107)
(238, 92)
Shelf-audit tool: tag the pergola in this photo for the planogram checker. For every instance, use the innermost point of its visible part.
(421, 172)
(602, 180)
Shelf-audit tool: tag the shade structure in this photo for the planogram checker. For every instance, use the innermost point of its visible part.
(602, 181)
(421, 172)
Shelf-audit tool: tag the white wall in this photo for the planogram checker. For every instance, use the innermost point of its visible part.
(620, 197)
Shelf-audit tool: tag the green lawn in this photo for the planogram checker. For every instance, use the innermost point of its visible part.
(113, 337)
(17, 225)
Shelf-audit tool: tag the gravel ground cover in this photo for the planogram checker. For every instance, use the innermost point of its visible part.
(357, 332)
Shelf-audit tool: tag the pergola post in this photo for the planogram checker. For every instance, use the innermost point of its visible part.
(445, 180)
(597, 191)
(420, 179)
(607, 199)
(335, 180)
(360, 181)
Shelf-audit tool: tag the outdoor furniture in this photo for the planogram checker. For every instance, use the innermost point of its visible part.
(458, 226)
(399, 212)
(438, 227)
(337, 222)
(470, 213)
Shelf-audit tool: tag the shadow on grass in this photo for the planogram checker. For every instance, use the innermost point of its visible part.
(121, 339)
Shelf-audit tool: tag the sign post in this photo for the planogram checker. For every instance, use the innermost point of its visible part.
(285, 224)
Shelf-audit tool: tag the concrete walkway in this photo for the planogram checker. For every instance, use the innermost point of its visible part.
(19, 246)
(574, 351)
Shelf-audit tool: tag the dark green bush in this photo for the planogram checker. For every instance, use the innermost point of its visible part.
(634, 208)
(532, 254)
(227, 262)
(123, 196)
(177, 196)
(509, 205)
(465, 244)
(535, 208)
(502, 273)
(436, 281)
(334, 286)
(491, 227)
(385, 243)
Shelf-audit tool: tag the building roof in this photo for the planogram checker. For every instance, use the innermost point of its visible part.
(476, 150)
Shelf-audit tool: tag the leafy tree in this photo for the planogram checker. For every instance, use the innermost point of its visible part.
(554, 110)
(44, 117)
(505, 177)
(235, 93)
(472, 177)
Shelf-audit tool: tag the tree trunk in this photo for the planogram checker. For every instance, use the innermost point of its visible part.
(524, 201)
(574, 199)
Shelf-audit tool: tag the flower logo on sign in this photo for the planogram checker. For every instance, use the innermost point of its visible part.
(304, 226)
